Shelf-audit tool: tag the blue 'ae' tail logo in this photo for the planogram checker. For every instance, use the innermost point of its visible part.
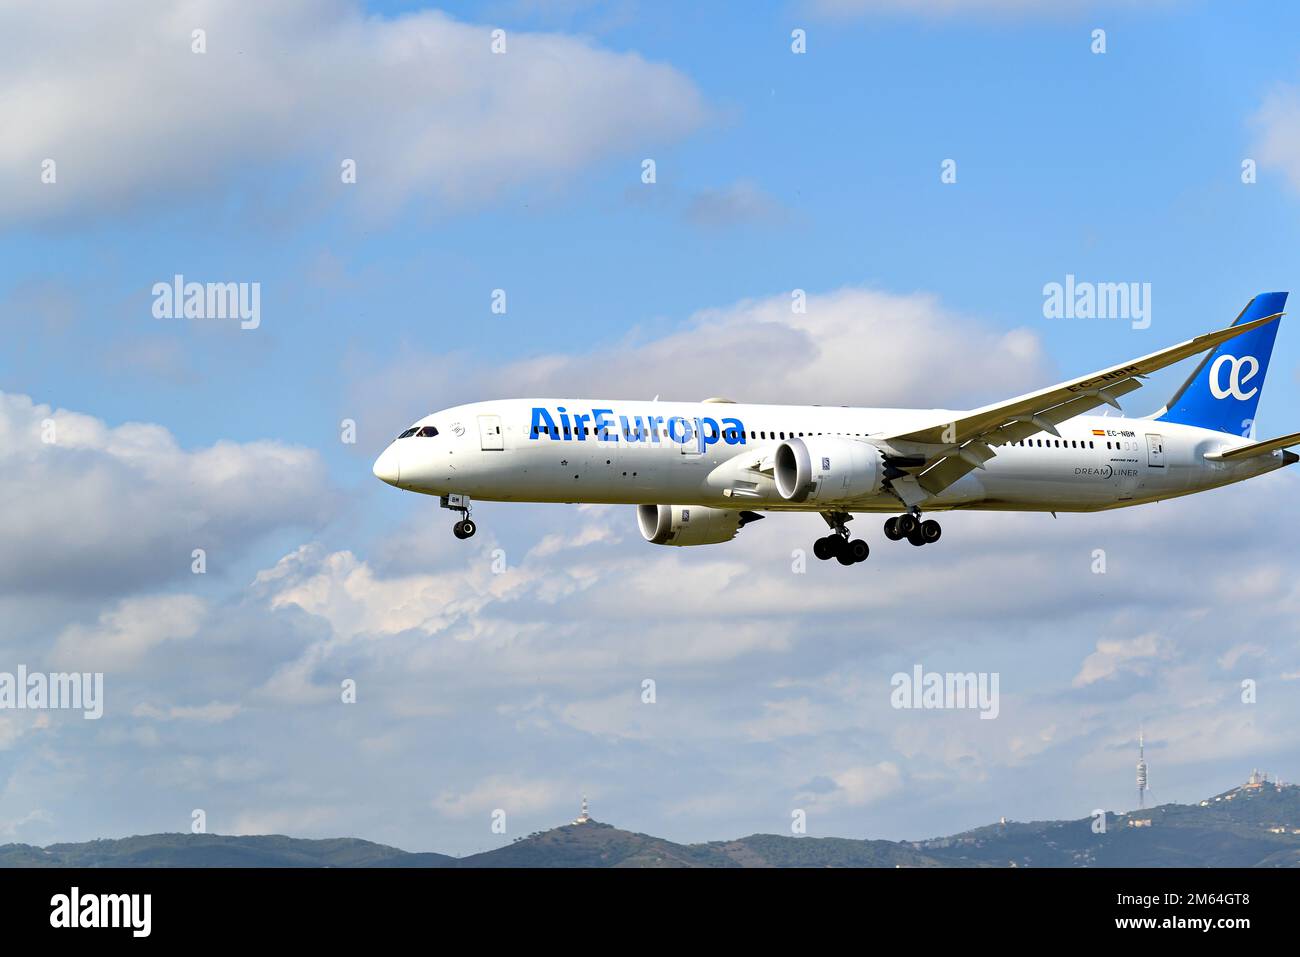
(1223, 393)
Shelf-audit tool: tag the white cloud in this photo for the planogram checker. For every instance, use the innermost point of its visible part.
(214, 712)
(102, 509)
(1114, 655)
(742, 203)
(14, 828)
(419, 101)
(857, 786)
(127, 632)
(356, 601)
(1245, 650)
(852, 346)
(1277, 125)
(770, 685)
(510, 794)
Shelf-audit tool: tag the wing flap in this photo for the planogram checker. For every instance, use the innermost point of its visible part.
(944, 472)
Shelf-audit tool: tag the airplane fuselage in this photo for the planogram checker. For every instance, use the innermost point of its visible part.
(714, 453)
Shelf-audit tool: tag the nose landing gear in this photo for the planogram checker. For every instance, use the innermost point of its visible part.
(465, 528)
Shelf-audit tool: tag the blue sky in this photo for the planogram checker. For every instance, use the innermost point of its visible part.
(775, 171)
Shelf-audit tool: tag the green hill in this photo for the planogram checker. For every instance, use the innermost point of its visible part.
(216, 850)
(1256, 825)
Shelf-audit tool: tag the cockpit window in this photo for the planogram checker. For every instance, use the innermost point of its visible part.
(427, 432)
(408, 433)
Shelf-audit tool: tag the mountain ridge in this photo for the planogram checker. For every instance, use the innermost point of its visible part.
(1255, 825)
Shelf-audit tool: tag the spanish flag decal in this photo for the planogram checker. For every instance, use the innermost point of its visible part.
(1098, 431)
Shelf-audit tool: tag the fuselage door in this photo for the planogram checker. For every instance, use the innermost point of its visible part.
(489, 430)
(689, 431)
(1155, 451)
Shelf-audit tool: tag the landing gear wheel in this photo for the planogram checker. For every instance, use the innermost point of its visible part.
(930, 531)
(905, 525)
(824, 548)
(464, 529)
(859, 550)
(891, 529)
(916, 537)
(844, 554)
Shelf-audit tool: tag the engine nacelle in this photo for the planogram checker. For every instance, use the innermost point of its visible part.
(690, 524)
(826, 470)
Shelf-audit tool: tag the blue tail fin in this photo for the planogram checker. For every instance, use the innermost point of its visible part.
(1223, 392)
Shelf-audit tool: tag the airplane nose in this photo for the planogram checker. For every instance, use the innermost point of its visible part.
(388, 467)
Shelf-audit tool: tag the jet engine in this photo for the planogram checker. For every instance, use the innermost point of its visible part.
(825, 470)
(690, 524)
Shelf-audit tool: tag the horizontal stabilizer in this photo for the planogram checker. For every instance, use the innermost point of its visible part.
(1258, 448)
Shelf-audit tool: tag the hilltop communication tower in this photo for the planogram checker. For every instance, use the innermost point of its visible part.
(1142, 771)
(584, 817)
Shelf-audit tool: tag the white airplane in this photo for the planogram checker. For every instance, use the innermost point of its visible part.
(698, 472)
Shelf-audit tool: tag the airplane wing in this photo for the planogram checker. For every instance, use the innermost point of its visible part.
(952, 448)
(1257, 448)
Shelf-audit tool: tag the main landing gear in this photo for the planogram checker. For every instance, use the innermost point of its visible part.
(465, 528)
(838, 545)
(911, 527)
